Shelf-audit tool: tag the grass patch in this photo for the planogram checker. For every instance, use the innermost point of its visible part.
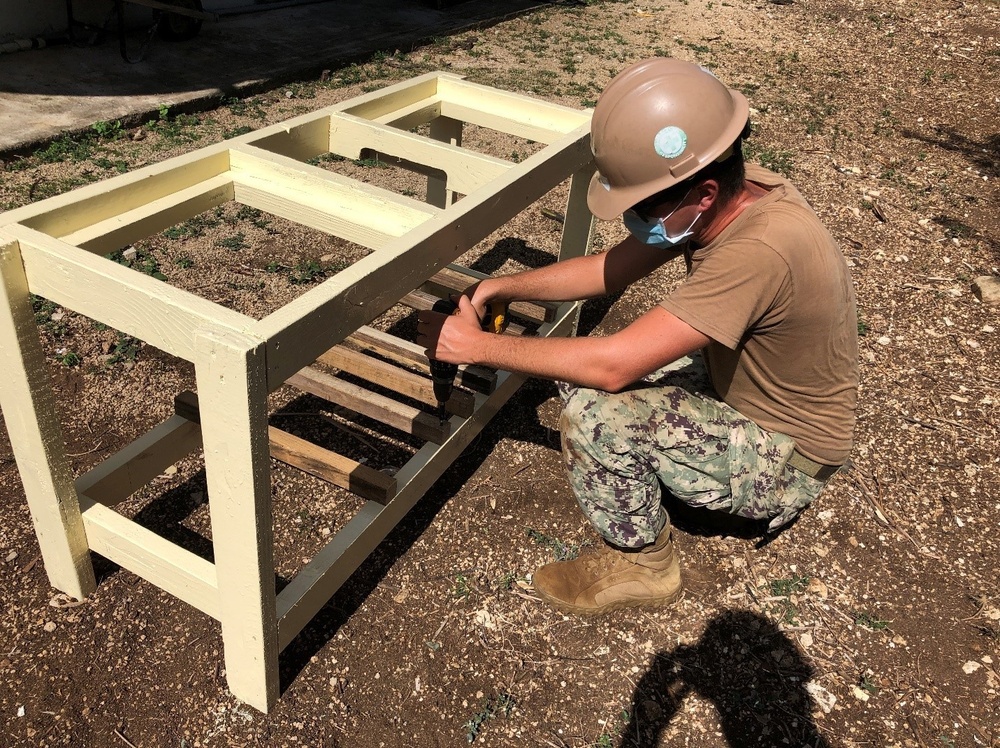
(770, 158)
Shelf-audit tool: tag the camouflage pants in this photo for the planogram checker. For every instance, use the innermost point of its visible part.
(671, 430)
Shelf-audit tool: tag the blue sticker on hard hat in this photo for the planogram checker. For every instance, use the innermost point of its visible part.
(670, 142)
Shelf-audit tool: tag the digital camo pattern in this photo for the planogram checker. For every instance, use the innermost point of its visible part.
(671, 428)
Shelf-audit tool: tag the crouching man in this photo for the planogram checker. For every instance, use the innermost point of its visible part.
(736, 392)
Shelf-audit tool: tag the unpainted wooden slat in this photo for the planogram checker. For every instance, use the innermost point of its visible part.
(422, 301)
(323, 463)
(408, 353)
(448, 281)
(406, 418)
(395, 379)
(314, 585)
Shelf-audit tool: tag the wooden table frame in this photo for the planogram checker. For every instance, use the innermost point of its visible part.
(54, 249)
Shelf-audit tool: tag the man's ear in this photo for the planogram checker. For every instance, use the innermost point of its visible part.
(707, 192)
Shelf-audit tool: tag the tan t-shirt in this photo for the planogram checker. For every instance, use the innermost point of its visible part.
(774, 294)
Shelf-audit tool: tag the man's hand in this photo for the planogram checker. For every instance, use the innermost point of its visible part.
(453, 339)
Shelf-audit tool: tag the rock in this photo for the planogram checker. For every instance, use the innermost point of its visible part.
(823, 698)
(970, 667)
(860, 694)
(987, 289)
(49, 626)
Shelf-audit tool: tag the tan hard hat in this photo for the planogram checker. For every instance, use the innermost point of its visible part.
(657, 123)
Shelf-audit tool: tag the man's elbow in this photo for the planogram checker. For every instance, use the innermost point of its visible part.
(615, 380)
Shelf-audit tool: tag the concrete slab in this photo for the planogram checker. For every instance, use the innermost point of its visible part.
(49, 92)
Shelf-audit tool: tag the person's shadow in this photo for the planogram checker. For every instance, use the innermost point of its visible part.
(751, 671)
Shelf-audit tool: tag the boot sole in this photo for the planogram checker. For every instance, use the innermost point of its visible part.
(647, 604)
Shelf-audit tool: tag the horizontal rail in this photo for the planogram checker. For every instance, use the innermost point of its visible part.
(160, 562)
(132, 467)
(124, 299)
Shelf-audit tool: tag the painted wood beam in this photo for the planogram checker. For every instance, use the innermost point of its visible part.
(124, 299)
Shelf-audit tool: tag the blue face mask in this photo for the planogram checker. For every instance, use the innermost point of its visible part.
(653, 232)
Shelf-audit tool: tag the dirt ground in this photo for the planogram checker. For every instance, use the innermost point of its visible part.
(872, 621)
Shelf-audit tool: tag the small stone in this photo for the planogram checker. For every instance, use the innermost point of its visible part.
(987, 289)
(885, 340)
(823, 698)
(818, 588)
(289, 94)
(860, 694)
(970, 667)
(806, 640)
(130, 253)
(172, 470)
(49, 626)
(12, 555)
(139, 134)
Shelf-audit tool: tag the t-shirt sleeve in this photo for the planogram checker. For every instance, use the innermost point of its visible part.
(730, 291)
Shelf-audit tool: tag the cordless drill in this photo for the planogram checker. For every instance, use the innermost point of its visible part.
(443, 374)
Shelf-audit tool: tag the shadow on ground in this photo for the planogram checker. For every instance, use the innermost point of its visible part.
(753, 674)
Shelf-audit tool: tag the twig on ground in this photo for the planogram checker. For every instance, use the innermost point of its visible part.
(125, 740)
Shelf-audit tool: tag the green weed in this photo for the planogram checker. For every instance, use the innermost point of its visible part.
(863, 618)
(236, 132)
(786, 587)
(138, 259)
(235, 242)
(108, 130)
(784, 609)
(868, 685)
(192, 227)
(69, 359)
(325, 158)
(499, 704)
(126, 349)
(561, 550)
(120, 165)
(461, 589)
(66, 148)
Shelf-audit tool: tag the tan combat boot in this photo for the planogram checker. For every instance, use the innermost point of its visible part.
(613, 579)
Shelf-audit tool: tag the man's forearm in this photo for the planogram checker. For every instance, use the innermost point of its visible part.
(578, 278)
(570, 280)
